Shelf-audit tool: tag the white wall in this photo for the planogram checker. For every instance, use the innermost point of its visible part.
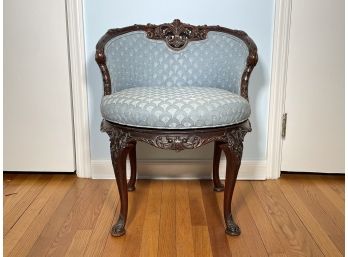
(253, 16)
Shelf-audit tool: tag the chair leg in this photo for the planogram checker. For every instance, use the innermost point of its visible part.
(233, 164)
(133, 165)
(218, 186)
(119, 157)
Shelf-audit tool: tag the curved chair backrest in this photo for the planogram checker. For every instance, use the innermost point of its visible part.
(176, 54)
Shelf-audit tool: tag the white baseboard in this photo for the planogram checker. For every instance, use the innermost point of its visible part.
(180, 169)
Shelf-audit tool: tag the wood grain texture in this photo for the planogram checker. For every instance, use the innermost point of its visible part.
(136, 220)
(196, 203)
(83, 216)
(317, 231)
(183, 229)
(293, 216)
(167, 229)
(292, 234)
(201, 241)
(114, 245)
(218, 238)
(79, 243)
(24, 245)
(239, 246)
(322, 209)
(262, 221)
(18, 203)
(57, 219)
(149, 242)
(101, 230)
(33, 211)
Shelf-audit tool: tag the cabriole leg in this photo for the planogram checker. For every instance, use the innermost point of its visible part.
(218, 186)
(233, 164)
(119, 164)
(133, 165)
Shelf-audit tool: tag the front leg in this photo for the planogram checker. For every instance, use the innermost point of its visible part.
(119, 148)
(119, 165)
(233, 164)
(233, 149)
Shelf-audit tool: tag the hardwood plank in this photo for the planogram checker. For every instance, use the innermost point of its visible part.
(22, 186)
(292, 233)
(101, 231)
(124, 246)
(8, 177)
(150, 237)
(263, 223)
(317, 232)
(23, 246)
(11, 183)
(201, 241)
(184, 240)
(294, 216)
(79, 243)
(83, 216)
(336, 182)
(57, 219)
(19, 228)
(249, 243)
(196, 203)
(114, 245)
(326, 214)
(218, 240)
(166, 243)
(136, 213)
(331, 186)
(335, 197)
(16, 206)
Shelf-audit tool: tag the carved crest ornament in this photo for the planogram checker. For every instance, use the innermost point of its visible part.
(176, 34)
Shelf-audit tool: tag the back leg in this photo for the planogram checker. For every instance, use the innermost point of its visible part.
(133, 165)
(218, 186)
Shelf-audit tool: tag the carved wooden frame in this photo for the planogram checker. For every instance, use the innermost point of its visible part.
(228, 139)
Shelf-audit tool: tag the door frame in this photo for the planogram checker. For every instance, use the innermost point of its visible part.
(281, 39)
(76, 43)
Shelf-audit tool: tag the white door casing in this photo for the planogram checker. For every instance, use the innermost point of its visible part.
(79, 86)
(281, 35)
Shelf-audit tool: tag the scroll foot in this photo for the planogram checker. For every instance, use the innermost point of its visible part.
(232, 228)
(118, 229)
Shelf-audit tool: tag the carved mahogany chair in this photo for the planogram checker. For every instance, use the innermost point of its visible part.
(176, 86)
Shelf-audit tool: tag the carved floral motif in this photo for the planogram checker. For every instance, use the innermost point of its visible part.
(176, 34)
(178, 143)
(234, 139)
(118, 138)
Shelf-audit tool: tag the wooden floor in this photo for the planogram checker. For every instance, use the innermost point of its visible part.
(60, 215)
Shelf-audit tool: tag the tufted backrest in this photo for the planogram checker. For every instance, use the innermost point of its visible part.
(134, 60)
(176, 54)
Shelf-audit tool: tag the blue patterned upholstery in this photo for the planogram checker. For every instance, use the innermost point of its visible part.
(136, 61)
(154, 86)
(175, 107)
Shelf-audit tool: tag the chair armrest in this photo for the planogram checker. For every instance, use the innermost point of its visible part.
(101, 60)
(251, 62)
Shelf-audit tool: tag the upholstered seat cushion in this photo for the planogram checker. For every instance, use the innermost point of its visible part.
(175, 107)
